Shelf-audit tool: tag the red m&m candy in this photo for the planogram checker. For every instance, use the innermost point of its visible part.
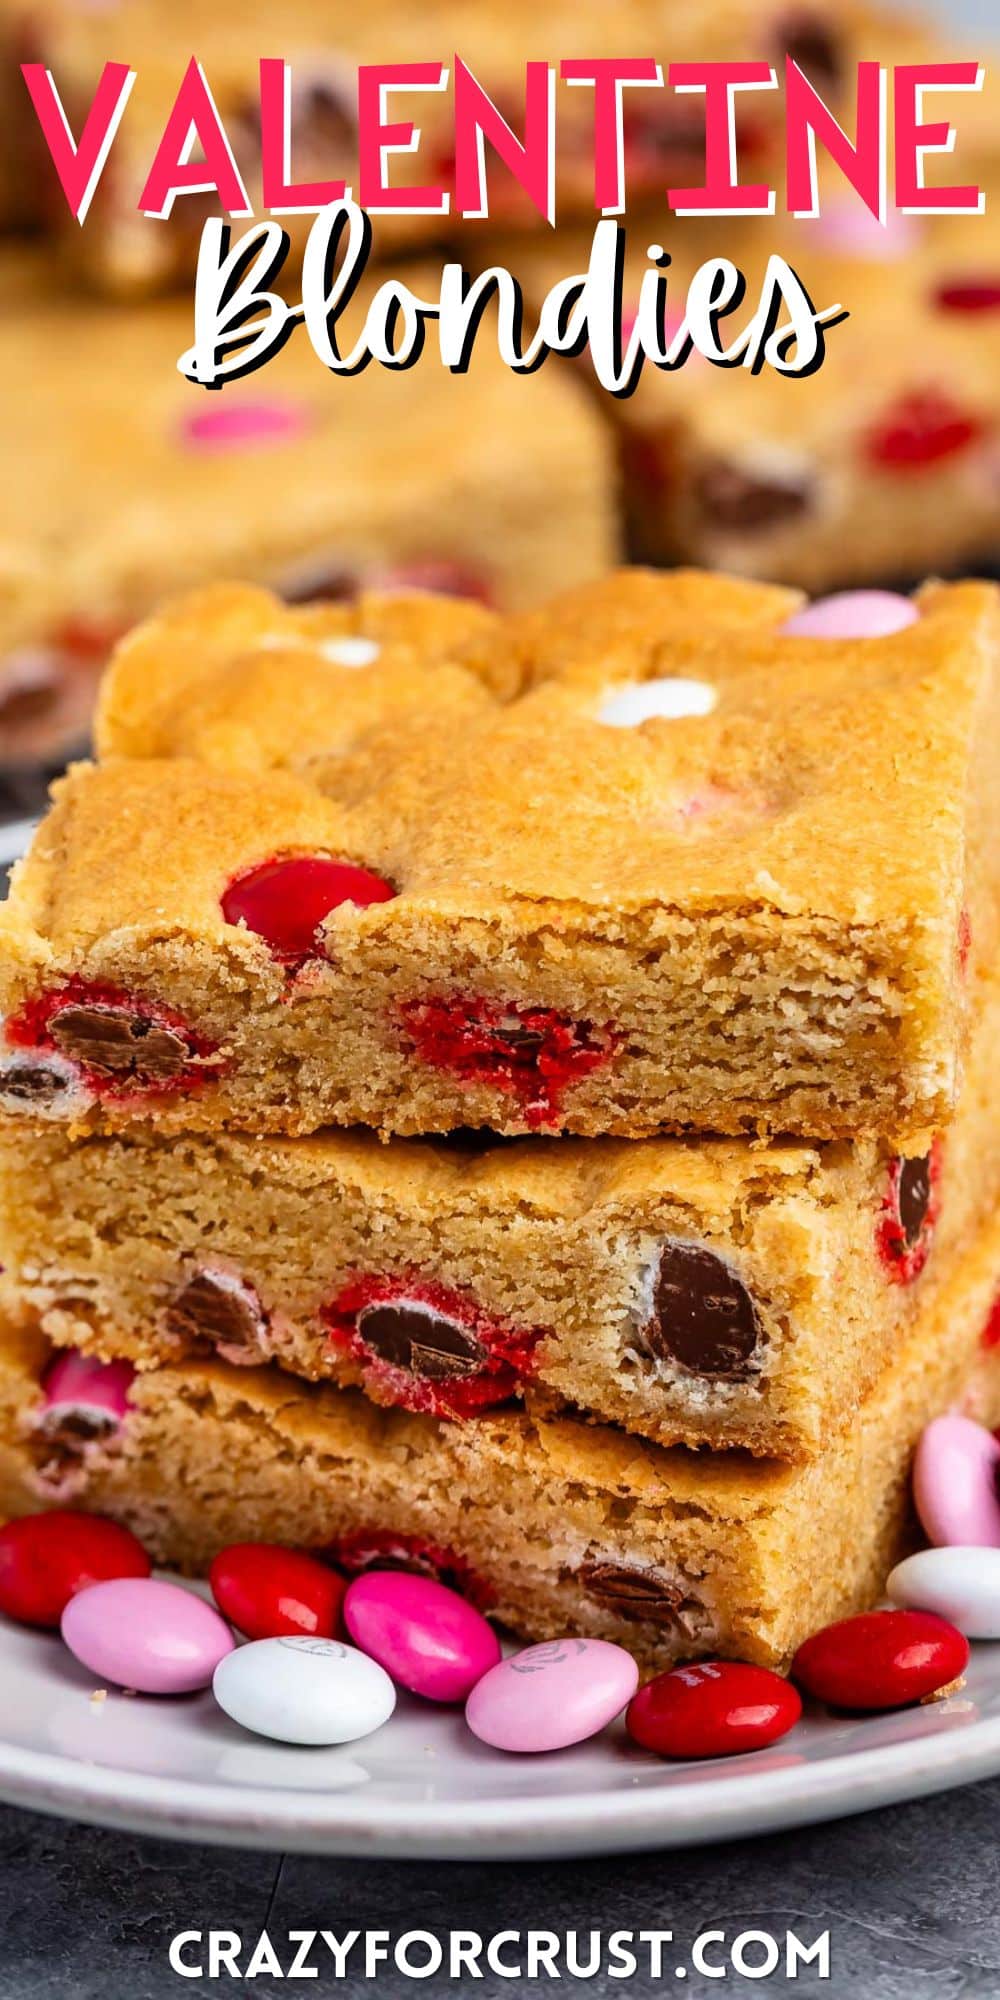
(269, 1592)
(45, 1559)
(976, 292)
(882, 1659)
(921, 429)
(717, 1708)
(285, 900)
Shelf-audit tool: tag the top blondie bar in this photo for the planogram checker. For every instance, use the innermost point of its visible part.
(644, 860)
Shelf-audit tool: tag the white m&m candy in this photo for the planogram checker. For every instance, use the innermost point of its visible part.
(960, 1584)
(351, 650)
(304, 1690)
(670, 699)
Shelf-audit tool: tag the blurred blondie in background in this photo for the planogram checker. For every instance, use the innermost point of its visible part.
(125, 483)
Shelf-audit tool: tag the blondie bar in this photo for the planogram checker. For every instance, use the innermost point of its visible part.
(692, 872)
(710, 1292)
(554, 1525)
(121, 249)
(144, 484)
(880, 465)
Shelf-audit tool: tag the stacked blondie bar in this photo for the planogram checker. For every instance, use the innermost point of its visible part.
(525, 1109)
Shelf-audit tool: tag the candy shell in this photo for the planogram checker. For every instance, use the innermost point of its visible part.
(240, 424)
(670, 699)
(716, 1708)
(955, 1473)
(971, 292)
(144, 1634)
(426, 1636)
(881, 1659)
(848, 227)
(45, 1559)
(962, 1585)
(265, 1591)
(304, 1690)
(852, 614)
(552, 1695)
(287, 899)
(352, 649)
(93, 1393)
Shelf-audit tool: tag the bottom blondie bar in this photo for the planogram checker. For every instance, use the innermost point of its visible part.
(552, 1525)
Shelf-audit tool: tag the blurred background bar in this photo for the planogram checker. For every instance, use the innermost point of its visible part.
(126, 484)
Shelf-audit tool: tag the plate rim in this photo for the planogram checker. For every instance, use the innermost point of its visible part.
(577, 1822)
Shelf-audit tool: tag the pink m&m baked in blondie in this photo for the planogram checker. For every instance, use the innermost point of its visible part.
(674, 852)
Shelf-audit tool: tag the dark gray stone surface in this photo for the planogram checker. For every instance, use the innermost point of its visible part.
(910, 1896)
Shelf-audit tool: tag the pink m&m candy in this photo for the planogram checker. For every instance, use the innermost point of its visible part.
(426, 1636)
(140, 1633)
(552, 1695)
(239, 425)
(955, 1484)
(852, 614)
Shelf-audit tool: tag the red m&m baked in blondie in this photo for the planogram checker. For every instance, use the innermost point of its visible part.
(713, 1292)
(669, 853)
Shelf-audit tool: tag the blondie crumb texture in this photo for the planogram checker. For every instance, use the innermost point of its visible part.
(711, 1292)
(642, 863)
(553, 1524)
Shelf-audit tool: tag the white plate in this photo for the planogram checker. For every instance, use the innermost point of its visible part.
(15, 835)
(422, 1787)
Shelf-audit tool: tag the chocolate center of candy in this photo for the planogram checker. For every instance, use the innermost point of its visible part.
(224, 1314)
(34, 1084)
(633, 1593)
(107, 1038)
(914, 1196)
(521, 1041)
(73, 1428)
(811, 44)
(703, 1316)
(324, 115)
(28, 697)
(327, 582)
(733, 498)
(420, 1341)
